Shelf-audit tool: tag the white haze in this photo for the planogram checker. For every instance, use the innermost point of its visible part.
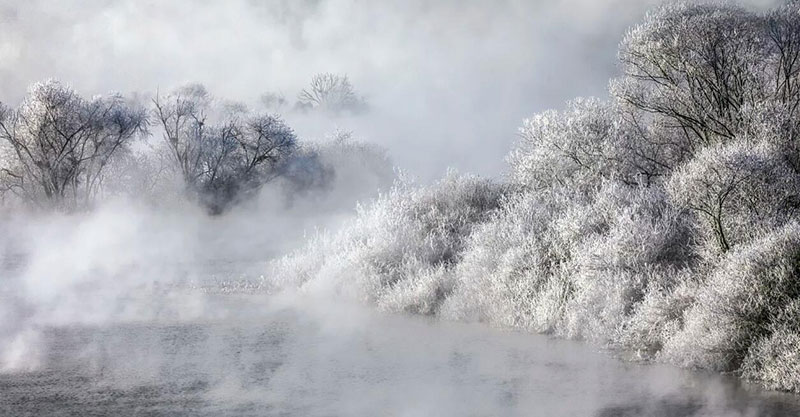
(301, 355)
(448, 82)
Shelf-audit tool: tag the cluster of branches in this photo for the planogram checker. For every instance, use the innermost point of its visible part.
(327, 92)
(708, 106)
(56, 147)
(57, 144)
(226, 159)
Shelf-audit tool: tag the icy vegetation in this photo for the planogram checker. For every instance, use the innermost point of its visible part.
(62, 151)
(662, 221)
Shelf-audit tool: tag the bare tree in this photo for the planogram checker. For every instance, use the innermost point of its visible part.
(224, 158)
(183, 116)
(331, 92)
(62, 142)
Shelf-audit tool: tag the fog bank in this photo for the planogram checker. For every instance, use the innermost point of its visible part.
(447, 82)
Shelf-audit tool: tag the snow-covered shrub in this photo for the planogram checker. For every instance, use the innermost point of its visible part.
(740, 303)
(564, 148)
(422, 292)
(659, 316)
(560, 261)
(662, 221)
(737, 188)
(410, 234)
(775, 359)
(638, 240)
(506, 277)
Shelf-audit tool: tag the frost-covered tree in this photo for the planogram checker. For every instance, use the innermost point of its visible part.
(592, 140)
(696, 65)
(332, 93)
(60, 143)
(10, 168)
(183, 115)
(400, 248)
(705, 70)
(568, 147)
(664, 220)
(221, 154)
(737, 188)
(783, 33)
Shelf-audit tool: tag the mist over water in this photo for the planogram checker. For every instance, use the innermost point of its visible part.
(136, 308)
(168, 315)
(290, 356)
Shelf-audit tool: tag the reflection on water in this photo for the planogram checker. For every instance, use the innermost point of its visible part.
(330, 360)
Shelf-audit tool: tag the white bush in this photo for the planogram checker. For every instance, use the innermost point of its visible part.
(506, 276)
(660, 314)
(637, 241)
(736, 188)
(410, 234)
(740, 302)
(565, 148)
(775, 359)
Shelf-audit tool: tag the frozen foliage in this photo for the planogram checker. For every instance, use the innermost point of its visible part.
(737, 187)
(696, 65)
(749, 298)
(399, 251)
(663, 221)
(507, 274)
(565, 148)
(577, 266)
(632, 241)
(775, 359)
(58, 144)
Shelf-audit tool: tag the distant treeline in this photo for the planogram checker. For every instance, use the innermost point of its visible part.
(61, 150)
(664, 220)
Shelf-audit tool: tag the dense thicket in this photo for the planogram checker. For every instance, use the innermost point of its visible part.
(663, 220)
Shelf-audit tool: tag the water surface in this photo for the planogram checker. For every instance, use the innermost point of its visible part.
(264, 356)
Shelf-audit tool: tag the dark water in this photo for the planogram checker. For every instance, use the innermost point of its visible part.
(331, 360)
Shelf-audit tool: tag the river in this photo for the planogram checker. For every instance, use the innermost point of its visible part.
(300, 356)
